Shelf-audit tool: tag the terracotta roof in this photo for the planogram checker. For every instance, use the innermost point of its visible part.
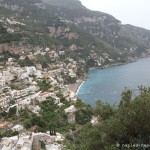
(42, 94)
(45, 75)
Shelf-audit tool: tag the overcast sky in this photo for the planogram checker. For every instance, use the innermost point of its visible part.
(135, 12)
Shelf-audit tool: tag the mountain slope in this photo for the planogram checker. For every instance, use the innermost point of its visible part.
(71, 4)
(69, 26)
(105, 27)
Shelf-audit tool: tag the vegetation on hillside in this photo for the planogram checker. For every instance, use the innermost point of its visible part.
(119, 127)
(96, 31)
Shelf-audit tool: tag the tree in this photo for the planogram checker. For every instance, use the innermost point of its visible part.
(12, 111)
(27, 124)
(104, 110)
(128, 124)
(2, 30)
(12, 102)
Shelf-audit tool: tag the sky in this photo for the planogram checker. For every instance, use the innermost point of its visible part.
(134, 12)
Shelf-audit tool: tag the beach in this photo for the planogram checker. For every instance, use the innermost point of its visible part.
(75, 87)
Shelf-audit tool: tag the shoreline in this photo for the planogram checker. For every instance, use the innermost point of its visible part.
(119, 64)
(112, 65)
(76, 87)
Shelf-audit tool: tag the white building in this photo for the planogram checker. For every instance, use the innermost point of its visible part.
(2, 82)
(17, 128)
(70, 111)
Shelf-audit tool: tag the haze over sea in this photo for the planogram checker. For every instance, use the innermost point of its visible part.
(107, 84)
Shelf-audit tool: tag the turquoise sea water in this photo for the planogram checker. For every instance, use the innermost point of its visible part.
(107, 84)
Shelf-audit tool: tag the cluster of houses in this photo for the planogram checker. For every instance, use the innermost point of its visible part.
(24, 76)
(18, 96)
(19, 86)
(32, 141)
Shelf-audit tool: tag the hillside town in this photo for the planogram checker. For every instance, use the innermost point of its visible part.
(26, 87)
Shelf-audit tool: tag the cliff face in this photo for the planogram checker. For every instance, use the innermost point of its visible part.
(64, 32)
(73, 27)
(69, 4)
(11, 7)
(105, 27)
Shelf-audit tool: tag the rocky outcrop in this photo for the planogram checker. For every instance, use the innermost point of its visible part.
(71, 35)
(12, 7)
(40, 5)
(62, 31)
(90, 19)
(11, 22)
(74, 47)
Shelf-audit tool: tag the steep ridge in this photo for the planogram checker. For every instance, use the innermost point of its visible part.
(96, 37)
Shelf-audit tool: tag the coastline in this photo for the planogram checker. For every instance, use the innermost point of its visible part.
(76, 87)
(119, 63)
(113, 64)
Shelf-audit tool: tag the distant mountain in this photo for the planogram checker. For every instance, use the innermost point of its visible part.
(70, 4)
(66, 25)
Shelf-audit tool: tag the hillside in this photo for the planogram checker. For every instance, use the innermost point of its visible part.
(97, 38)
(46, 50)
(70, 4)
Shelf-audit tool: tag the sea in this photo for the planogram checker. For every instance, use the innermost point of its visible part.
(108, 84)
